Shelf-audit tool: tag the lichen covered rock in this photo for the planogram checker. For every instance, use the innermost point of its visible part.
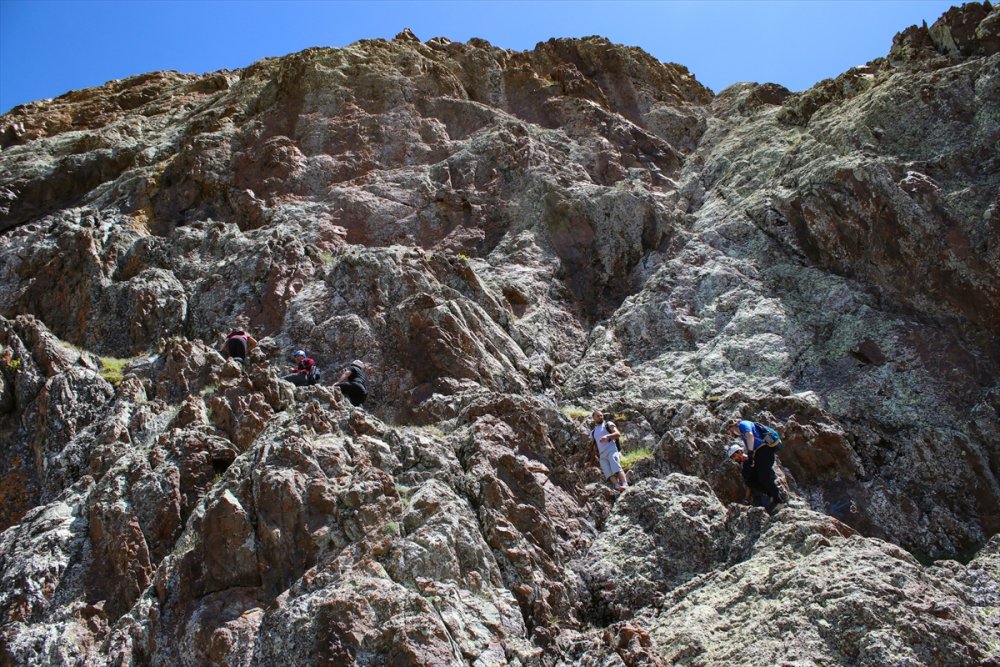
(508, 241)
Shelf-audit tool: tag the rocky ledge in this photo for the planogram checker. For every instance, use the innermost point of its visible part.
(508, 240)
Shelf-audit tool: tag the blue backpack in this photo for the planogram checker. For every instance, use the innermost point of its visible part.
(770, 437)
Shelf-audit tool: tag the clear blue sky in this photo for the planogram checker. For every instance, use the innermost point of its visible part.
(48, 47)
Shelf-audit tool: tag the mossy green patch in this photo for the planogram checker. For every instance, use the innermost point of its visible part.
(629, 459)
(404, 493)
(8, 360)
(112, 369)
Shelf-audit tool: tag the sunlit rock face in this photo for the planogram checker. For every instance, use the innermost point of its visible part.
(507, 240)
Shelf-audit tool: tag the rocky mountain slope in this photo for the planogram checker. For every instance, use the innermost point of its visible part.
(508, 240)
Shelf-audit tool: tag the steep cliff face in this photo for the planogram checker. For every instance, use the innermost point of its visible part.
(508, 240)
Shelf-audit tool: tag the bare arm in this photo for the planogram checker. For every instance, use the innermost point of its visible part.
(251, 342)
(343, 376)
(614, 434)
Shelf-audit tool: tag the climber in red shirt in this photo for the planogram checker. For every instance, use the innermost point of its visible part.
(238, 344)
(305, 373)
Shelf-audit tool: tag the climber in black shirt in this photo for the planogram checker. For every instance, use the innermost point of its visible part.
(353, 383)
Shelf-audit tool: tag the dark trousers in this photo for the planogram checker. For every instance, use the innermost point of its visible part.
(757, 495)
(763, 463)
(237, 349)
(298, 379)
(355, 392)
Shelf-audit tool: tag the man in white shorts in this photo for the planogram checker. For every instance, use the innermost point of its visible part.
(604, 435)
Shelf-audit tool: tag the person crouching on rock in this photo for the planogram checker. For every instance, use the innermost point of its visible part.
(304, 372)
(755, 495)
(237, 345)
(757, 460)
(353, 383)
(604, 435)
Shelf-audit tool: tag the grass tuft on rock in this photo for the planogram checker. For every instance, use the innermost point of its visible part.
(629, 459)
(112, 369)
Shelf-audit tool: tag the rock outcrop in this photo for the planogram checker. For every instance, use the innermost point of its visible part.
(508, 240)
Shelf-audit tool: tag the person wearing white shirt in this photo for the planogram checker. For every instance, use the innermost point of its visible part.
(604, 436)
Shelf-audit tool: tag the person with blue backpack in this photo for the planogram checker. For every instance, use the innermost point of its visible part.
(761, 444)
